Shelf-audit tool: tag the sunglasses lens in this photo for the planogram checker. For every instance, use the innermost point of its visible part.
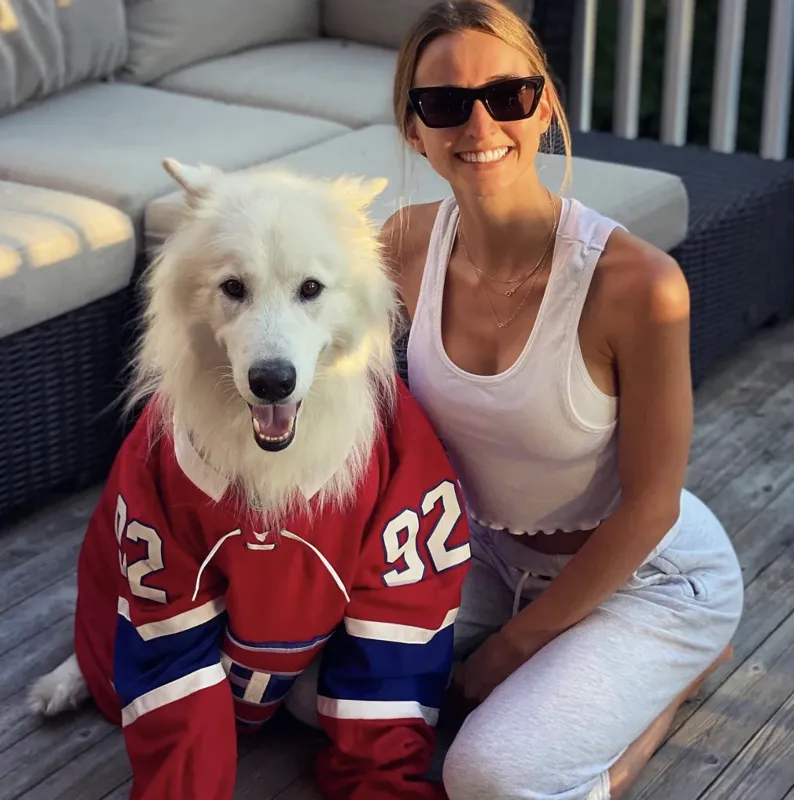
(444, 108)
(511, 100)
(447, 107)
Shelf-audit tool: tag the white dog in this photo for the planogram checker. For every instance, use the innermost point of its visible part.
(267, 337)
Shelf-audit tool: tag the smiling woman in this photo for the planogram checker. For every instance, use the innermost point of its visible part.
(549, 348)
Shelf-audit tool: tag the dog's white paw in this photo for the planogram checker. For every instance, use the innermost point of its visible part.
(60, 690)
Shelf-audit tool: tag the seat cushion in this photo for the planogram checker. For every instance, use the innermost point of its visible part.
(58, 252)
(46, 46)
(649, 203)
(166, 35)
(107, 141)
(385, 23)
(341, 81)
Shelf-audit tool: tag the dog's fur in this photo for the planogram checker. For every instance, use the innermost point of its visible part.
(272, 230)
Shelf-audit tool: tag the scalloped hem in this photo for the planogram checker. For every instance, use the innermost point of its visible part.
(570, 528)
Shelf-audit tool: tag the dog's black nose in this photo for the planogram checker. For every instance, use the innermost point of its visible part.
(272, 381)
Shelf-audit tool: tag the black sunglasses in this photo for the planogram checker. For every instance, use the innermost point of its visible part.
(507, 100)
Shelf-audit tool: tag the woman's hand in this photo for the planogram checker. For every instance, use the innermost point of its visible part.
(494, 661)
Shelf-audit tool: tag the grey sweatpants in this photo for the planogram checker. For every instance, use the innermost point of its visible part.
(554, 728)
(556, 725)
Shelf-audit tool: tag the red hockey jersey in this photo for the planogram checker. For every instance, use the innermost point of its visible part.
(191, 622)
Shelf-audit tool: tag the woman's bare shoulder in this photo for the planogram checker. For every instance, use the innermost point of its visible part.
(639, 283)
(404, 239)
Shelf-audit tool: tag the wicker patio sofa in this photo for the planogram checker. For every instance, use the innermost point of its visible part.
(61, 377)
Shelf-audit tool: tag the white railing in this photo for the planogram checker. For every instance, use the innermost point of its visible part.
(677, 66)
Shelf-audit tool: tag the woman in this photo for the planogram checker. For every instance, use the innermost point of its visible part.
(549, 347)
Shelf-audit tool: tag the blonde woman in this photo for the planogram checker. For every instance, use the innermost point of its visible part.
(549, 348)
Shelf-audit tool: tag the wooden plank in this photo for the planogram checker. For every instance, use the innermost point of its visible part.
(760, 367)
(740, 445)
(121, 793)
(91, 775)
(54, 745)
(765, 768)
(749, 493)
(305, 788)
(768, 602)
(40, 654)
(68, 516)
(767, 535)
(24, 620)
(44, 569)
(700, 751)
(281, 755)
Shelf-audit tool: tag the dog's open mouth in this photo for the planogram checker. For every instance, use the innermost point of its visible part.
(274, 425)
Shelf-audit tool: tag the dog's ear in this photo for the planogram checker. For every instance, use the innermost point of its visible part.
(360, 192)
(196, 181)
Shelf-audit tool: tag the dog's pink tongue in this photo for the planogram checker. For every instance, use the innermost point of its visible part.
(274, 421)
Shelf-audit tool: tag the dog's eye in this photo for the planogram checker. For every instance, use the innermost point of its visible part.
(310, 289)
(234, 289)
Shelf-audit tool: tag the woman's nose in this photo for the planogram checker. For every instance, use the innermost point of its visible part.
(480, 122)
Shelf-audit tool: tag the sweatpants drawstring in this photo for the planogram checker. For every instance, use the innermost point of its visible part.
(519, 589)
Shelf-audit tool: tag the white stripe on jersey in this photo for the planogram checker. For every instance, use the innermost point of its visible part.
(171, 692)
(191, 618)
(375, 709)
(394, 632)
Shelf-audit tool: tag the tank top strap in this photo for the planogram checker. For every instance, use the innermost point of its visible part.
(581, 239)
(442, 238)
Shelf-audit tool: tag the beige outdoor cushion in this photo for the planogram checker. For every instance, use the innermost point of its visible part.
(166, 35)
(107, 141)
(651, 204)
(48, 45)
(382, 22)
(58, 252)
(341, 81)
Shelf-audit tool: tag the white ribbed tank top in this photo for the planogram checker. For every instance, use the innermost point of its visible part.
(535, 446)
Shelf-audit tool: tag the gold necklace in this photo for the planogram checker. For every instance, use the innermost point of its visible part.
(501, 324)
(521, 279)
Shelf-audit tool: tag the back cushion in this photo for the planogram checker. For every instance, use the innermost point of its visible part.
(382, 23)
(166, 35)
(48, 45)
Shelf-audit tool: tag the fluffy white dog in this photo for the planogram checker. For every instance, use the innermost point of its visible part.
(281, 489)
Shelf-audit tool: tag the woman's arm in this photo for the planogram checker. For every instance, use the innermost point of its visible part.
(648, 334)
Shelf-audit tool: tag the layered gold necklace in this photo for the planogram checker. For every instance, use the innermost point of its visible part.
(517, 281)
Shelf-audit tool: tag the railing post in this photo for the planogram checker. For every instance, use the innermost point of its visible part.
(628, 77)
(727, 75)
(777, 87)
(677, 68)
(583, 64)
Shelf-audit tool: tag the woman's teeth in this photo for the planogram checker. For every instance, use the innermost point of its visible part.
(484, 156)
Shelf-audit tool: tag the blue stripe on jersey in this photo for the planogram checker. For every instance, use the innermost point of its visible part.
(240, 671)
(140, 666)
(355, 668)
(427, 690)
(282, 647)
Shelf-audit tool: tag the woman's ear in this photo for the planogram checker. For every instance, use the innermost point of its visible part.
(413, 137)
(545, 112)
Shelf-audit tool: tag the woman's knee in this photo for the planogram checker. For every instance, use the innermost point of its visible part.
(487, 761)
(472, 770)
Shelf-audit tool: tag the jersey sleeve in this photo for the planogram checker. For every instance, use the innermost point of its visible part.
(384, 672)
(177, 710)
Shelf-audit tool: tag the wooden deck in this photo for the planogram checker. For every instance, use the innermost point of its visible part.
(736, 740)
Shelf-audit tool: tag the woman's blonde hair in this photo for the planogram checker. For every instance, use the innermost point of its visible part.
(487, 16)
